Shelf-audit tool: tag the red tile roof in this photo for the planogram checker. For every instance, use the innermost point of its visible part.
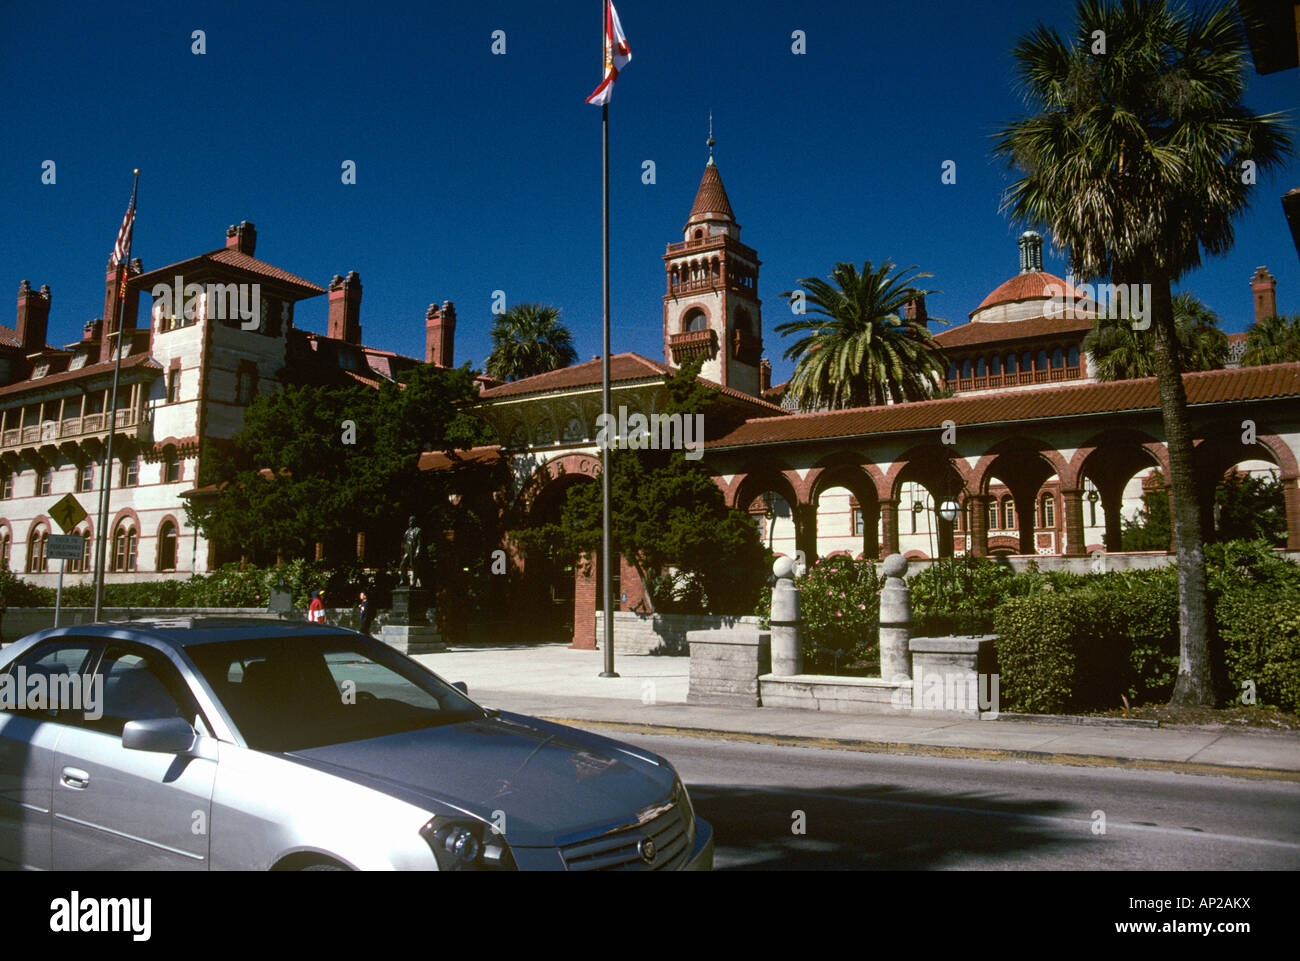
(1029, 286)
(1204, 387)
(229, 257)
(460, 459)
(990, 332)
(711, 198)
(90, 370)
(622, 367)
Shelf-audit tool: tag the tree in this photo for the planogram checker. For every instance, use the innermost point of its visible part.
(856, 347)
(528, 339)
(669, 519)
(1248, 508)
(1152, 529)
(1136, 159)
(1273, 340)
(1122, 353)
(321, 463)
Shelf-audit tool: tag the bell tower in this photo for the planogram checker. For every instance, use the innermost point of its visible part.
(712, 306)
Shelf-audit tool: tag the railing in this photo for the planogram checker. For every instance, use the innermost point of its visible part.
(993, 381)
(691, 343)
(68, 428)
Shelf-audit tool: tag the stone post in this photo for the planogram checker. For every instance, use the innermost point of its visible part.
(787, 645)
(895, 621)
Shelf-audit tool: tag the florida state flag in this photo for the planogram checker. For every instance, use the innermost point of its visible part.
(617, 54)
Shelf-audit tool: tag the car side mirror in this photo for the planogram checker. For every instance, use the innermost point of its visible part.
(163, 735)
(462, 687)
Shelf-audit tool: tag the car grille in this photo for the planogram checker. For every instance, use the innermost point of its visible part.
(619, 849)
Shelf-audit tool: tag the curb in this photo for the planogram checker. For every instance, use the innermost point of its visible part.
(944, 751)
(1082, 720)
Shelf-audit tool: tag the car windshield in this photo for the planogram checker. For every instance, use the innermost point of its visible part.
(295, 693)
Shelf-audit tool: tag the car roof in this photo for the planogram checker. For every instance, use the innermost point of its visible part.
(187, 631)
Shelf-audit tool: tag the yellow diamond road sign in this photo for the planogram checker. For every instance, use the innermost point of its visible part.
(68, 513)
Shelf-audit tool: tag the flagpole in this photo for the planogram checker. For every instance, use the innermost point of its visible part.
(607, 597)
(106, 481)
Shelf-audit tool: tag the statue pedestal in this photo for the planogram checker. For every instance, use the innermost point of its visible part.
(408, 628)
(412, 638)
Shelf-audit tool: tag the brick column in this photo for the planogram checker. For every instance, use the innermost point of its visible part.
(1072, 506)
(1112, 505)
(888, 528)
(1291, 495)
(630, 584)
(979, 524)
(584, 603)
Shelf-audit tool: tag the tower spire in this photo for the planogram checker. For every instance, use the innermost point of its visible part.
(711, 140)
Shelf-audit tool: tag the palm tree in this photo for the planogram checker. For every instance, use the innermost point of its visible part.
(857, 347)
(1134, 158)
(1122, 353)
(528, 339)
(1273, 340)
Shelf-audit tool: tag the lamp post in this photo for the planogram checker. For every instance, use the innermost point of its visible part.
(769, 512)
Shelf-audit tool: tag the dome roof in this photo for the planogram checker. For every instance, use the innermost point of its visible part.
(1028, 286)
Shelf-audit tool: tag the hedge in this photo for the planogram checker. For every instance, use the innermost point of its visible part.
(1260, 633)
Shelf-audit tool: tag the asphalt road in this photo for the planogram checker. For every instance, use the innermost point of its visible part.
(876, 811)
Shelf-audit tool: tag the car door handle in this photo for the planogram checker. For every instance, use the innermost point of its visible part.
(74, 777)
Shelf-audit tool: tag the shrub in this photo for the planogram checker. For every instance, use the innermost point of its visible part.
(840, 606)
(1260, 632)
(1036, 644)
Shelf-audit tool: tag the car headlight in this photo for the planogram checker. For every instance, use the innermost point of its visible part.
(688, 809)
(460, 844)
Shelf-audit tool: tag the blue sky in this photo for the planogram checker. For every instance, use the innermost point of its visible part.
(478, 172)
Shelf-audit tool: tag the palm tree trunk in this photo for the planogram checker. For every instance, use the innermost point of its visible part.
(1194, 686)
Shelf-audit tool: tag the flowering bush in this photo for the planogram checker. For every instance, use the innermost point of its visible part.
(840, 604)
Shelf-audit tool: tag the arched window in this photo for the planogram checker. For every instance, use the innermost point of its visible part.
(981, 368)
(995, 365)
(952, 370)
(965, 368)
(699, 232)
(37, 563)
(1011, 363)
(1009, 513)
(85, 562)
(1041, 360)
(695, 320)
(993, 515)
(1073, 357)
(1026, 362)
(1048, 514)
(1058, 358)
(167, 546)
(125, 540)
(6, 541)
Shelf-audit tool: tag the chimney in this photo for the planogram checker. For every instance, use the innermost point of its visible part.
(914, 311)
(243, 238)
(92, 329)
(345, 308)
(1264, 286)
(1031, 252)
(33, 316)
(439, 334)
(112, 292)
(764, 375)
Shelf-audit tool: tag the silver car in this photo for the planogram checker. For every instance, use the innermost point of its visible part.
(259, 745)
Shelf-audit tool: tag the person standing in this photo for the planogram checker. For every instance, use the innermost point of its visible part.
(316, 610)
(366, 613)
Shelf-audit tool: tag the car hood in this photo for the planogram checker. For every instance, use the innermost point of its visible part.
(549, 780)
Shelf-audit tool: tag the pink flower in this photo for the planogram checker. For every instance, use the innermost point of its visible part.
(829, 593)
(862, 607)
(839, 614)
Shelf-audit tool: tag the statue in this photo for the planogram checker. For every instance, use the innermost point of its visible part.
(413, 557)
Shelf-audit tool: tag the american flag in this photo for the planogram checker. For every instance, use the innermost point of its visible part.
(123, 244)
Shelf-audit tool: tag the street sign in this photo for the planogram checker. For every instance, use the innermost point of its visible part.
(67, 547)
(68, 513)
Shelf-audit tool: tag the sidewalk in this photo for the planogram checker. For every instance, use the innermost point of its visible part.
(555, 682)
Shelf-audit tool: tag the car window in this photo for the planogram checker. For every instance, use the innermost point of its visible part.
(139, 685)
(287, 694)
(48, 683)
